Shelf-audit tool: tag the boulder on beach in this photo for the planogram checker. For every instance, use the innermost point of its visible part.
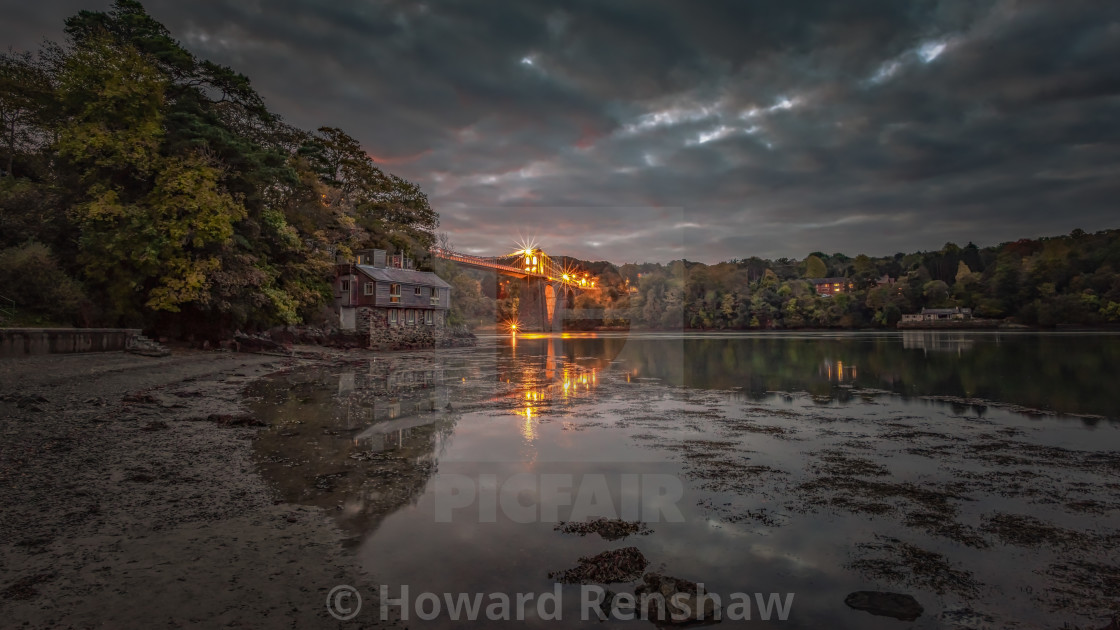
(616, 565)
(673, 601)
(607, 528)
(898, 605)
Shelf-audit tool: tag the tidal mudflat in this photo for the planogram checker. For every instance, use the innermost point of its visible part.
(978, 474)
(129, 499)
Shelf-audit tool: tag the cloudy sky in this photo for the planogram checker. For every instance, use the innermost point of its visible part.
(655, 130)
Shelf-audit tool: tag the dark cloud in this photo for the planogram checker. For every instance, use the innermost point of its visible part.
(651, 130)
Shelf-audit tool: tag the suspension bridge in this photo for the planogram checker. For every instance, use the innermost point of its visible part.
(549, 287)
(526, 263)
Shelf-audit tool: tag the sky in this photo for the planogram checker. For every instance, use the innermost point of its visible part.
(649, 130)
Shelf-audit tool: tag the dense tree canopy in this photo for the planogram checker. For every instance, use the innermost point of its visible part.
(1067, 280)
(164, 192)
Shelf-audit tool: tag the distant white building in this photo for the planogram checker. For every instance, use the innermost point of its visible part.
(938, 314)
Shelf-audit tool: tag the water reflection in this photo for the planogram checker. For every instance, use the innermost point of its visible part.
(546, 374)
(337, 437)
(781, 493)
(836, 371)
(935, 341)
(1061, 373)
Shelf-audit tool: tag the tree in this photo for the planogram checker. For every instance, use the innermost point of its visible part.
(963, 272)
(383, 204)
(815, 268)
(24, 93)
(31, 276)
(936, 292)
(864, 270)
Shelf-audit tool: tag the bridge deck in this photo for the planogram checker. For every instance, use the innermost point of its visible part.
(552, 272)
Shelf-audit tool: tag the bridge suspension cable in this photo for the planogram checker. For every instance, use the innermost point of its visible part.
(534, 263)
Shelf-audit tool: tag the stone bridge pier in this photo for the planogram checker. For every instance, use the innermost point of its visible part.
(543, 304)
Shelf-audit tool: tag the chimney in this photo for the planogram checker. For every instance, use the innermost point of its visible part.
(375, 257)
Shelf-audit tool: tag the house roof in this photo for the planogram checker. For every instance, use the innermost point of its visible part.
(403, 276)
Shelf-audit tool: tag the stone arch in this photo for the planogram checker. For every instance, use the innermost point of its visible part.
(550, 302)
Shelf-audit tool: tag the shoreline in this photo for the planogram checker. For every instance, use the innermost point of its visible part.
(135, 497)
(131, 498)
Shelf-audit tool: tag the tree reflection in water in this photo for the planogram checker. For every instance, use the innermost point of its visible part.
(364, 442)
(360, 442)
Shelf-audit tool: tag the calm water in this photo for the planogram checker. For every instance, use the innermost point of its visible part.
(977, 472)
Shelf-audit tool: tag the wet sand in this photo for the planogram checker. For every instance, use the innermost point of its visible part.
(130, 500)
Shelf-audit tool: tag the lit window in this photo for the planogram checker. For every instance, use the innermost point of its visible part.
(367, 289)
(394, 293)
(418, 291)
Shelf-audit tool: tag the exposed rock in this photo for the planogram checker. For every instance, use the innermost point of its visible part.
(897, 605)
(258, 343)
(681, 602)
(617, 565)
(143, 346)
(607, 528)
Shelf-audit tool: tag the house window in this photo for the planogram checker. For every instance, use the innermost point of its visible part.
(367, 288)
(393, 317)
(345, 286)
(435, 297)
(428, 317)
(411, 317)
(394, 293)
(419, 291)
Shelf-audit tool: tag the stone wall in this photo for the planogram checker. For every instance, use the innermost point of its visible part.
(383, 336)
(28, 341)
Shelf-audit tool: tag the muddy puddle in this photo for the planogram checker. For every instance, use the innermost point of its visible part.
(818, 465)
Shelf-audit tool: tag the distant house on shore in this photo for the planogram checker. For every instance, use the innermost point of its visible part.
(381, 296)
(828, 287)
(938, 314)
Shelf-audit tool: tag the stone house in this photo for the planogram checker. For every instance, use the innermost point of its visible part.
(382, 297)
